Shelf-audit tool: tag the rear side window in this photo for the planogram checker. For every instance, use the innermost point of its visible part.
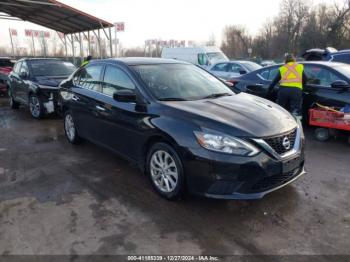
(89, 77)
(114, 80)
(320, 76)
(24, 68)
(344, 58)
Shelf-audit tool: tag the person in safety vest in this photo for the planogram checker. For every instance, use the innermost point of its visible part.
(86, 60)
(291, 79)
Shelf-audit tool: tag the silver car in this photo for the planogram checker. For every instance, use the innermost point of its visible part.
(232, 69)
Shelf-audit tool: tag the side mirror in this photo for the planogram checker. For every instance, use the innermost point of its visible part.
(126, 95)
(23, 74)
(242, 72)
(340, 84)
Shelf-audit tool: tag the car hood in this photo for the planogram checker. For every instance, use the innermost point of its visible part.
(244, 114)
(50, 81)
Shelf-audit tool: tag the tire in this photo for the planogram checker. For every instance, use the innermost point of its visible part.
(70, 129)
(165, 171)
(322, 134)
(13, 103)
(36, 106)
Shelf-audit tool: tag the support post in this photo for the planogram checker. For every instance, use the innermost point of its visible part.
(110, 42)
(73, 51)
(13, 49)
(81, 48)
(99, 43)
(89, 46)
(115, 41)
(65, 46)
(33, 43)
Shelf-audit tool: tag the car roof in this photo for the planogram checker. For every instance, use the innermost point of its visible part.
(39, 59)
(142, 61)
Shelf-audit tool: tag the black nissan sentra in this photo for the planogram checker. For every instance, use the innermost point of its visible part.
(184, 127)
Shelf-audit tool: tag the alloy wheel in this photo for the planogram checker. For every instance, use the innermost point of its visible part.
(34, 106)
(69, 127)
(164, 171)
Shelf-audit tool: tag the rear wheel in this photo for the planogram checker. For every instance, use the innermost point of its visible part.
(13, 103)
(165, 171)
(70, 129)
(36, 107)
(322, 134)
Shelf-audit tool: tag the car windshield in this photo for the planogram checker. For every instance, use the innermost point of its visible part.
(251, 66)
(181, 82)
(344, 69)
(51, 68)
(6, 62)
(217, 56)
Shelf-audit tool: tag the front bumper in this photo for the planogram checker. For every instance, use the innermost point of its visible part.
(224, 176)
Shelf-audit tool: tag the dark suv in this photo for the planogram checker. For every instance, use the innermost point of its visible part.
(184, 127)
(34, 82)
(328, 54)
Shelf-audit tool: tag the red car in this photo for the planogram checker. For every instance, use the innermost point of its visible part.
(6, 65)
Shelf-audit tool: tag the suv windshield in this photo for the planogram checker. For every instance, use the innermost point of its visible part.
(181, 82)
(51, 68)
(217, 56)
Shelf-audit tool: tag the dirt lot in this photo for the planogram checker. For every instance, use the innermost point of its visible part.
(56, 198)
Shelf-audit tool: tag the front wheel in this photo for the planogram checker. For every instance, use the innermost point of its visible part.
(165, 171)
(70, 129)
(36, 107)
(322, 134)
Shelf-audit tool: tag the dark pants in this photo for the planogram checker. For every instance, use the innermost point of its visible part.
(291, 99)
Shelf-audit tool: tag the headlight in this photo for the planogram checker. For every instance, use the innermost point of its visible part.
(218, 142)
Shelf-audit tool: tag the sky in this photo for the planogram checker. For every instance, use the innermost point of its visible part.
(169, 19)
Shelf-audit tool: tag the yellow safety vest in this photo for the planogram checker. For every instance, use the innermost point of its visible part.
(84, 63)
(292, 75)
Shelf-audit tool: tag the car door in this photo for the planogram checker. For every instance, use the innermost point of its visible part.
(23, 83)
(319, 89)
(220, 70)
(261, 81)
(14, 79)
(119, 123)
(233, 70)
(84, 92)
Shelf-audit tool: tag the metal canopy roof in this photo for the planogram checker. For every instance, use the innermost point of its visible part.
(53, 14)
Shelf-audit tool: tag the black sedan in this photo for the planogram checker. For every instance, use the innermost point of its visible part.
(328, 83)
(184, 127)
(34, 83)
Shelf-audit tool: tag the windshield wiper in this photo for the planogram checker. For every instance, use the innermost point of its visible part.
(217, 95)
(172, 99)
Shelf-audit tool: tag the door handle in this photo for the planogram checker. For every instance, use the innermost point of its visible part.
(100, 108)
(75, 98)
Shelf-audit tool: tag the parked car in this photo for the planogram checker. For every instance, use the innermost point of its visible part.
(232, 69)
(184, 127)
(327, 54)
(6, 65)
(203, 56)
(328, 84)
(267, 63)
(34, 83)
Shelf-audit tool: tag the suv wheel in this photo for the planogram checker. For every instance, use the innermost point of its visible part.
(13, 103)
(165, 171)
(36, 107)
(70, 130)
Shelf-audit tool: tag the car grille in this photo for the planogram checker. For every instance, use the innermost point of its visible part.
(273, 181)
(277, 142)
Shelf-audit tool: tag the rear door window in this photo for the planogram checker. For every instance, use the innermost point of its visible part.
(89, 77)
(116, 79)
